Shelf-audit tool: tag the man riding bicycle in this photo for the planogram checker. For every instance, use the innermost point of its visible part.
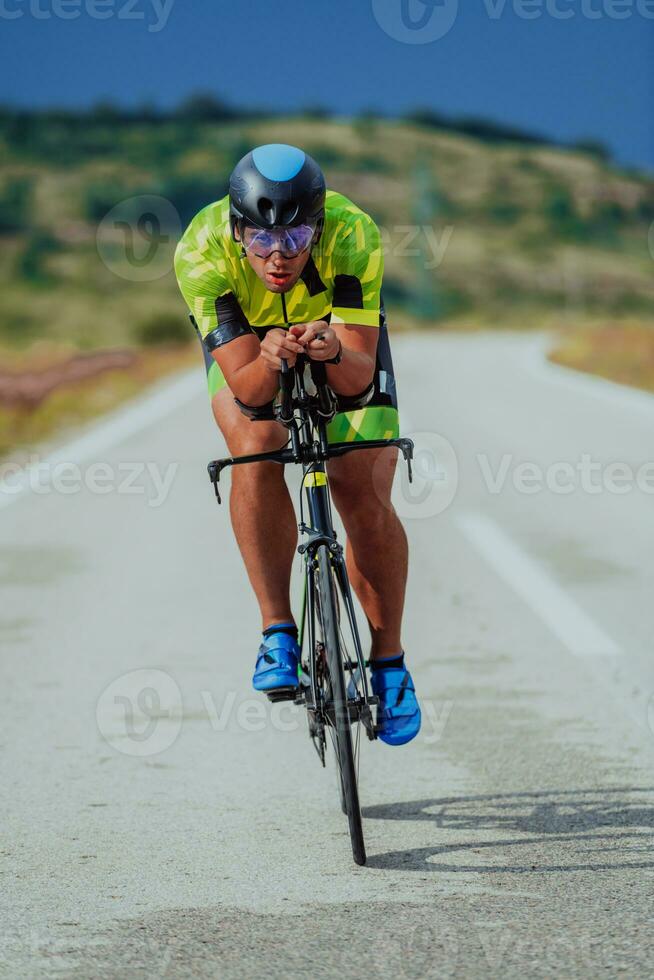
(281, 249)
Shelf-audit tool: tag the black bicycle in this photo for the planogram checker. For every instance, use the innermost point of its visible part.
(332, 678)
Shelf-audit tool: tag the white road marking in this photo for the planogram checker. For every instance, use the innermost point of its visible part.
(621, 396)
(109, 432)
(547, 599)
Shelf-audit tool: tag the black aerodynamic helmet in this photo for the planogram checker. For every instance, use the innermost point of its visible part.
(277, 186)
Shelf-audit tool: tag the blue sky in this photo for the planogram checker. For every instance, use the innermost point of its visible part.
(568, 68)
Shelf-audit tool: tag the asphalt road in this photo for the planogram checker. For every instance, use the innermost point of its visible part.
(160, 820)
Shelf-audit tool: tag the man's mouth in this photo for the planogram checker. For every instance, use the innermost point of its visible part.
(279, 278)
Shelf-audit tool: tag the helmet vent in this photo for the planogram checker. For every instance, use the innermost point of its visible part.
(266, 210)
(289, 212)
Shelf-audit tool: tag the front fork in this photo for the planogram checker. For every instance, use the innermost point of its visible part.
(315, 483)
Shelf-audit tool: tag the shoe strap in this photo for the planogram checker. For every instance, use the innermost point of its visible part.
(277, 656)
(281, 628)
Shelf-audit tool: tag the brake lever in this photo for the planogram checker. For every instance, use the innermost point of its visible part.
(214, 469)
(407, 447)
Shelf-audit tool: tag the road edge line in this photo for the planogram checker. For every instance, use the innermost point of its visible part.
(545, 597)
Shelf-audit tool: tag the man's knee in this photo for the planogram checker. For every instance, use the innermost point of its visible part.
(243, 435)
(256, 437)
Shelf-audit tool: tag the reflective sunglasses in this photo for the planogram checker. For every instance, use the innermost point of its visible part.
(262, 242)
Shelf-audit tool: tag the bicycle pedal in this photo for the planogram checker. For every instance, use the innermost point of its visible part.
(282, 694)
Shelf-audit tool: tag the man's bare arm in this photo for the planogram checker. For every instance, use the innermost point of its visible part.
(251, 367)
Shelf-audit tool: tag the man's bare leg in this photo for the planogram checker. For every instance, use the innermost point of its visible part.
(265, 525)
(377, 549)
(261, 509)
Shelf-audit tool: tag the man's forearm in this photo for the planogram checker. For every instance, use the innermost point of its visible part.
(254, 383)
(353, 374)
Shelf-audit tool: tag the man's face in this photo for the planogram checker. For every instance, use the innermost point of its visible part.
(277, 273)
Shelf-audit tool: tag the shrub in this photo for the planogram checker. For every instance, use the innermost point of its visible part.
(204, 107)
(326, 155)
(101, 198)
(31, 263)
(188, 195)
(164, 329)
(562, 217)
(15, 204)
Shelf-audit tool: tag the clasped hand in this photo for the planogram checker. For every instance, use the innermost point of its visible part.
(316, 339)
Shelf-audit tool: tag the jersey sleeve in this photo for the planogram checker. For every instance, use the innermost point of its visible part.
(203, 282)
(359, 269)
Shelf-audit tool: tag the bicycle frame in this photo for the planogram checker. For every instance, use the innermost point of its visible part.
(306, 415)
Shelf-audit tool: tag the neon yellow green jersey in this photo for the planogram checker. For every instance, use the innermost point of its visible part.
(341, 280)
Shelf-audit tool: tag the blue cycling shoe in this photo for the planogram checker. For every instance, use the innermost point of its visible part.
(277, 662)
(398, 712)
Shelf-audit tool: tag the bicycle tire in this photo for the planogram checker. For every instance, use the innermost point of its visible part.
(325, 586)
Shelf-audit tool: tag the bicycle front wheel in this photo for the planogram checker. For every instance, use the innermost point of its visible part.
(338, 714)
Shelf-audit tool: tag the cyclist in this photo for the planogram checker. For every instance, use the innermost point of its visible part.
(281, 249)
